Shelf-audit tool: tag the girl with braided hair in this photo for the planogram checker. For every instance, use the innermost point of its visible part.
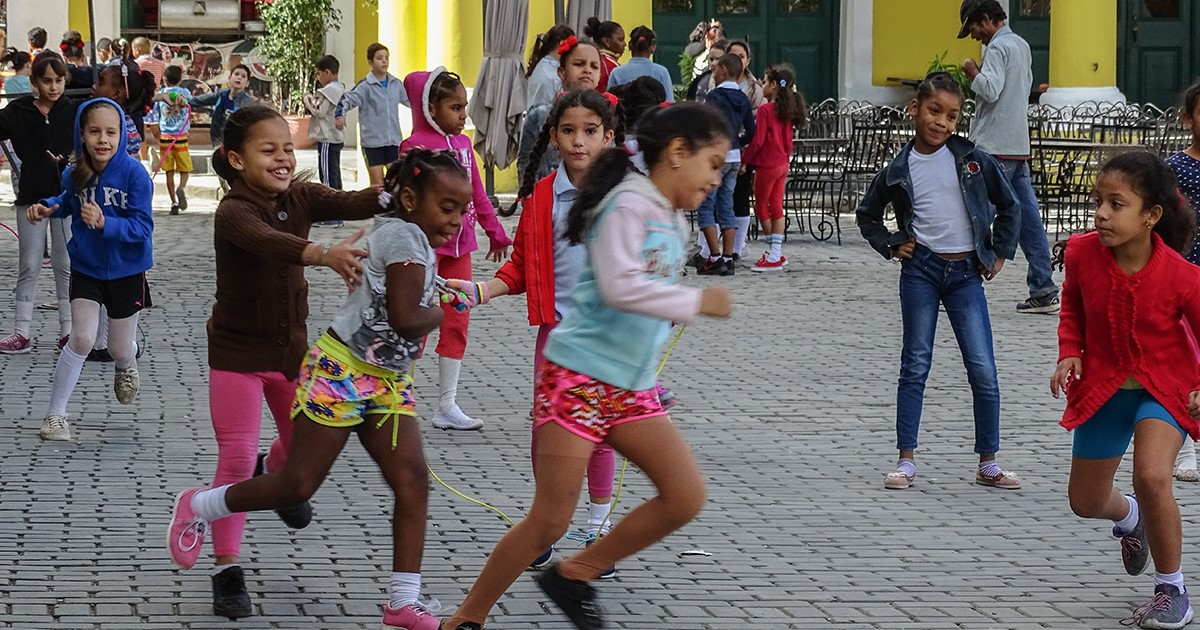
(357, 379)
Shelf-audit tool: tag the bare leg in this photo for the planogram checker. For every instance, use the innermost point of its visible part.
(1157, 444)
(404, 471)
(314, 449)
(171, 187)
(376, 175)
(710, 236)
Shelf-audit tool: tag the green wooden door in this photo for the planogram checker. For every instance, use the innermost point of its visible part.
(1031, 20)
(1156, 60)
(803, 33)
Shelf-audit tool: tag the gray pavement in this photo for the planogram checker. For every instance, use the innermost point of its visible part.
(789, 406)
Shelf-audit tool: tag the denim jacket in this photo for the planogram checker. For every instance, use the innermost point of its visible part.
(991, 202)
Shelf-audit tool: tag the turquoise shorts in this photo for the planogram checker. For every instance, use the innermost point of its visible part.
(1107, 433)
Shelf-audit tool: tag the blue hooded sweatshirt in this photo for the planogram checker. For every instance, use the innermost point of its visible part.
(123, 247)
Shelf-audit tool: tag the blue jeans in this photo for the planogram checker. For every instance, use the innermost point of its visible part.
(925, 281)
(1032, 237)
(717, 208)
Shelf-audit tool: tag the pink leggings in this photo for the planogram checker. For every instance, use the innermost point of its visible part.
(235, 401)
(603, 463)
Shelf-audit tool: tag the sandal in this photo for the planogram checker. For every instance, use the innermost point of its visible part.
(897, 480)
(1005, 480)
(1187, 474)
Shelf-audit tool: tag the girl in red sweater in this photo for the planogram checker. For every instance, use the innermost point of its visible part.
(770, 153)
(1128, 369)
(545, 266)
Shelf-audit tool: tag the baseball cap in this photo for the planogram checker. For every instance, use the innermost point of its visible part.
(967, 11)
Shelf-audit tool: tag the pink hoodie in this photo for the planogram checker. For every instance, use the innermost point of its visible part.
(427, 134)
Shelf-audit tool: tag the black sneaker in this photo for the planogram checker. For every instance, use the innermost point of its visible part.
(608, 573)
(174, 210)
(99, 355)
(1135, 551)
(469, 625)
(731, 266)
(295, 517)
(543, 561)
(1045, 304)
(230, 598)
(576, 599)
(181, 194)
(696, 260)
(714, 268)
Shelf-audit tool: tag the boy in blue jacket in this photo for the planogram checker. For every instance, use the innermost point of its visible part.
(717, 209)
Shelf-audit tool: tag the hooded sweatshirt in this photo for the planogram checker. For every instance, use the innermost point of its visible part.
(124, 190)
(428, 135)
(33, 134)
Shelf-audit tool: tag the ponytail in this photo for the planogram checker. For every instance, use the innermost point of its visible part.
(546, 43)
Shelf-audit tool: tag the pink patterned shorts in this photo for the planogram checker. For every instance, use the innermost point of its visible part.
(585, 406)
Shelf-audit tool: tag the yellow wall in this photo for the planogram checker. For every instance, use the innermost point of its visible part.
(366, 32)
(631, 14)
(1089, 61)
(906, 40)
(77, 20)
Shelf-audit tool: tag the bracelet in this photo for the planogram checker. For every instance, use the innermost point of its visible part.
(324, 250)
(482, 293)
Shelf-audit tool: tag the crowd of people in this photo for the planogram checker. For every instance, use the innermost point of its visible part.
(608, 164)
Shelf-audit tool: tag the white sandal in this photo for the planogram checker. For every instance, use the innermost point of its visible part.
(897, 480)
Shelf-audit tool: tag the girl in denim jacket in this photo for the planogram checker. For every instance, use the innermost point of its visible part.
(957, 221)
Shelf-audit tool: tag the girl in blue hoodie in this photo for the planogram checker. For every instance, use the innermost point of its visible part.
(107, 194)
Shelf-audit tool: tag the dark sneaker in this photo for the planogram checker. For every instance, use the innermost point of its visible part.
(576, 599)
(469, 625)
(714, 268)
(543, 561)
(696, 260)
(609, 572)
(230, 598)
(1045, 304)
(1167, 610)
(174, 210)
(181, 195)
(731, 266)
(295, 517)
(1135, 551)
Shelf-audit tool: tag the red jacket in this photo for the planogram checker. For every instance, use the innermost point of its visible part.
(772, 143)
(531, 266)
(1126, 326)
(608, 63)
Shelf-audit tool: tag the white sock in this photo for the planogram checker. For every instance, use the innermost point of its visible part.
(775, 247)
(739, 234)
(66, 375)
(1186, 459)
(1174, 579)
(598, 514)
(702, 243)
(448, 370)
(219, 568)
(24, 318)
(1130, 521)
(210, 504)
(405, 588)
(64, 318)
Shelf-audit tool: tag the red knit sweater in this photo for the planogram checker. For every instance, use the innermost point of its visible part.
(772, 144)
(1126, 326)
(531, 266)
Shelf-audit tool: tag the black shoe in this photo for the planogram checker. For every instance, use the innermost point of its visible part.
(731, 266)
(696, 260)
(469, 625)
(576, 599)
(543, 561)
(230, 598)
(295, 517)
(714, 268)
(175, 210)
(100, 355)
(608, 573)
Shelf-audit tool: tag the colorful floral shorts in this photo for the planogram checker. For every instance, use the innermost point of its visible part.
(585, 406)
(338, 389)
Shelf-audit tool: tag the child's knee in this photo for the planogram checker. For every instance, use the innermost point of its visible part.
(1153, 485)
(81, 341)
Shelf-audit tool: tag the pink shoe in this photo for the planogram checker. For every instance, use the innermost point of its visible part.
(185, 534)
(765, 264)
(414, 616)
(14, 344)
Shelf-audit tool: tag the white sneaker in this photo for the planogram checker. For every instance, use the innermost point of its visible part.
(126, 384)
(454, 418)
(55, 427)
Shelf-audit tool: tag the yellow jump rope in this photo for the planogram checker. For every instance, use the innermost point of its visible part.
(624, 465)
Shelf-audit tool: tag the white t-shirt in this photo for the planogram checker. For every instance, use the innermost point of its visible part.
(940, 218)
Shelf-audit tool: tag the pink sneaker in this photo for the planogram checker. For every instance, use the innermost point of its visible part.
(15, 344)
(414, 616)
(765, 264)
(185, 534)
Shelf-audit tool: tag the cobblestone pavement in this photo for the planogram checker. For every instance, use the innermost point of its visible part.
(789, 406)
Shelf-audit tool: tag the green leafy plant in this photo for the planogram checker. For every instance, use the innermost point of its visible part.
(686, 63)
(955, 71)
(293, 42)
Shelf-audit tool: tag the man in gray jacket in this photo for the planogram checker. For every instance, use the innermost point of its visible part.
(1001, 128)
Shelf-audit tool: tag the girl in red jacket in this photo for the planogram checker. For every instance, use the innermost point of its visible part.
(545, 266)
(1128, 369)
(770, 153)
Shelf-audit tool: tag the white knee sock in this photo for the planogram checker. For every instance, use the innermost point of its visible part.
(66, 375)
(64, 318)
(775, 247)
(739, 235)
(24, 319)
(210, 504)
(448, 370)
(404, 589)
(1186, 459)
(1130, 521)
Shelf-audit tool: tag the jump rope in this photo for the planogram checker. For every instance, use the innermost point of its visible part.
(449, 296)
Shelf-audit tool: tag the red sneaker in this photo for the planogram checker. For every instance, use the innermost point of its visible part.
(766, 265)
(414, 616)
(15, 344)
(185, 534)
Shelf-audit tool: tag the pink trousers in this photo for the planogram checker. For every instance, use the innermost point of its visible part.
(603, 463)
(235, 400)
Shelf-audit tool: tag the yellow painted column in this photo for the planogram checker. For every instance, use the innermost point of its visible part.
(456, 39)
(77, 20)
(366, 32)
(541, 18)
(631, 14)
(403, 28)
(1083, 68)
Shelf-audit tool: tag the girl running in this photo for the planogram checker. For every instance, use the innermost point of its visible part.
(579, 68)
(438, 123)
(770, 154)
(357, 379)
(1129, 370)
(610, 37)
(956, 218)
(597, 381)
(107, 194)
(257, 334)
(41, 129)
(1186, 165)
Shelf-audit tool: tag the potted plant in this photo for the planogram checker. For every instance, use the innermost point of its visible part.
(293, 42)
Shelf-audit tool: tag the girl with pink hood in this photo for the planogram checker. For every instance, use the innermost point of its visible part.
(438, 124)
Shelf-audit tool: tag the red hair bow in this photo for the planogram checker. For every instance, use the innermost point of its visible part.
(612, 98)
(567, 44)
